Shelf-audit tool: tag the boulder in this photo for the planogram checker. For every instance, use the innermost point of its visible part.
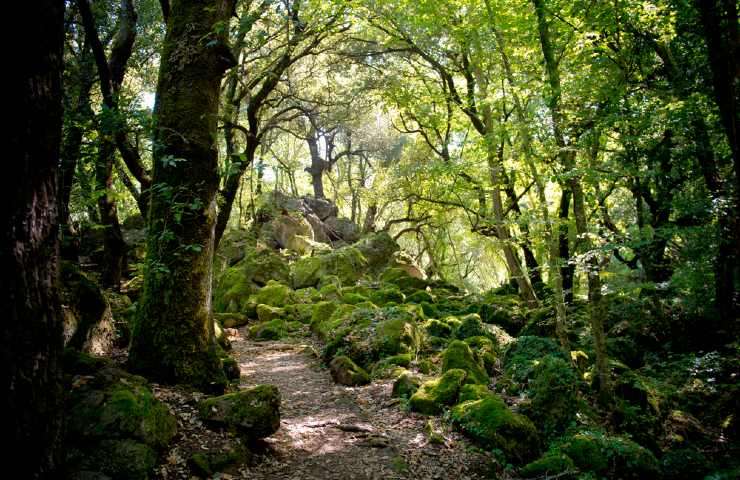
(253, 412)
(458, 355)
(320, 230)
(291, 232)
(610, 456)
(433, 395)
(406, 385)
(275, 294)
(320, 207)
(269, 330)
(231, 320)
(377, 249)
(88, 322)
(115, 425)
(346, 372)
(490, 422)
(342, 229)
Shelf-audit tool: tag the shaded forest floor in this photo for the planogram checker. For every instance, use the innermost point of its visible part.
(327, 431)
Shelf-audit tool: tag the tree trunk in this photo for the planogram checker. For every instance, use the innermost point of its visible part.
(316, 170)
(173, 340)
(722, 35)
(114, 247)
(32, 328)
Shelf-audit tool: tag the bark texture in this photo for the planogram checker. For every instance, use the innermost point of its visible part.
(172, 340)
(31, 328)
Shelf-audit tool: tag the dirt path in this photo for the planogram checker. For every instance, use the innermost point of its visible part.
(330, 431)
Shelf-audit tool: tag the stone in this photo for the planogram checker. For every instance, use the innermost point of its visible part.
(433, 395)
(491, 423)
(458, 355)
(406, 385)
(346, 372)
(342, 229)
(252, 412)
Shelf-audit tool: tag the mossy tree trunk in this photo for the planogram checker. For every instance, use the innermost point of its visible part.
(172, 340)
(30, 405)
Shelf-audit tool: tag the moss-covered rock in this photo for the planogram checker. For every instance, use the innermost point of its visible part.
(470, 326)
(490, 422)
(391, 366)
(549, 465)
(401, 278)
(88, 322)
(437, 328)
(253, 412)
(684, 464)
(346, 372)
(221, 336)
(231, 320)
(352, 298)
(406, 385)
(377, 249)
(208, 464)
(386, 295)
(346, 263)
(433, 395)
(302, 312)
(610, 456)
(238, 283)
(420, 296)
(273, 329)
(338, 321)
(231, 368)
(473, 391)
(116, 404)
(521, 358)
(458, 355)
(553, 393)
(322, 311)
(266, 313)
(276, 295)
(371, 334)
(115, 425)
(484, 350)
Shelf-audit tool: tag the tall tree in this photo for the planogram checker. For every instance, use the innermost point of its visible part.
(32, 327)
(172, 340)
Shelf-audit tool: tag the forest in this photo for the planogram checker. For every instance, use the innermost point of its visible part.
(372, 239)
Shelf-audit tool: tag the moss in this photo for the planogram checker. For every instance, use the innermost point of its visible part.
(348, 264)
(433, 395)
(346, 372)
(405, 385)
(275, 294)
(302, 312)
(437, 328)
(490, 422)
(207, 464)
(330, 291)
(484, 350)
(420, 296)
(401, 278)
(521, 358)
(389, 366)
(266, 313)
(610, 456)
(470, 326)
(371, 334)
(473, 391)
(430, 310)
(231, 368)
(458, 355)
(236, 284)
(231, 320)
(322, 311)
(426, 366)
(387, 295)
(305, 272)
(308, 295)
(352, 298)
(253, 412)
(378, 249)
(113, 458)
(549, 465)
(221, 336)
(553, 392)
(326, 328)
(270, 330)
